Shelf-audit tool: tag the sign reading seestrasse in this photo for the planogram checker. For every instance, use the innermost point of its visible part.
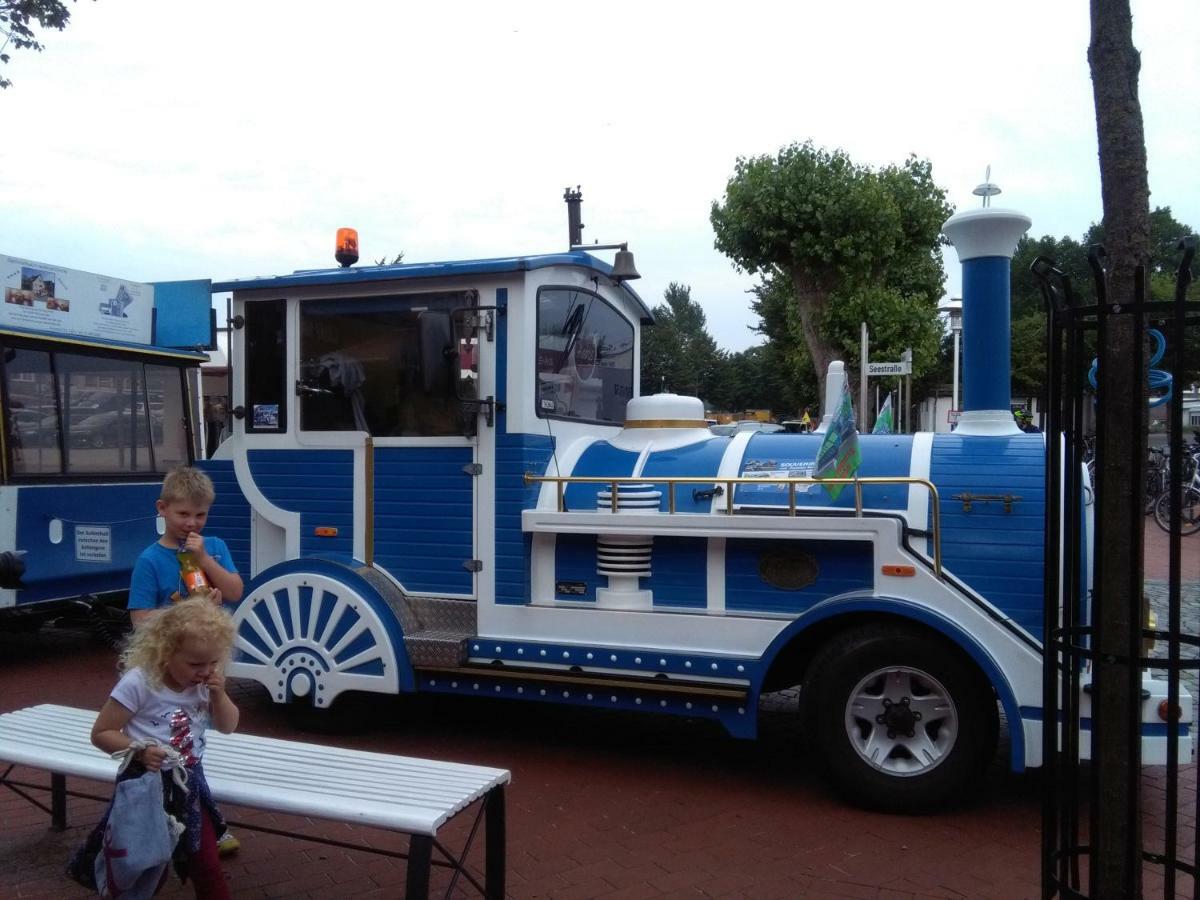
(43, 297)
(889, 368)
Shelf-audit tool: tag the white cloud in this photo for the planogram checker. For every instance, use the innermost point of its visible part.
(231, 139)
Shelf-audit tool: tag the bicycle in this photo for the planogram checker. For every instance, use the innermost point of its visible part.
(1189, 510)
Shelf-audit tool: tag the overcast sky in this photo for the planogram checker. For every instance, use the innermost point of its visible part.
(155, 140)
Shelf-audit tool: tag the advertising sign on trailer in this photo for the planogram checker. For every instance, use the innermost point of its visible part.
(43, 297)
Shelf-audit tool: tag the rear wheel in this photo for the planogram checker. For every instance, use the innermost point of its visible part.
(1189, 513)
(904, 723)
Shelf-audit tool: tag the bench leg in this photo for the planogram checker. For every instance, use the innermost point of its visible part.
(495, 850)
(58, 802)
(420, 857)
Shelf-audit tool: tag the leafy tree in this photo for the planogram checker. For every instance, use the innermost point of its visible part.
(837, 231)
(16, 18)
(755, 379)
(678, 353)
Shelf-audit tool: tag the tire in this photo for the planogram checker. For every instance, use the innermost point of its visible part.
(943, 721)
(1189, 513)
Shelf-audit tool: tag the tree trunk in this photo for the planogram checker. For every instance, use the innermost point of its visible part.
(1116, 839)
(810, 302)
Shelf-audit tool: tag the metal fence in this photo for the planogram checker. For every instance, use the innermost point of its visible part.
(1080, 817)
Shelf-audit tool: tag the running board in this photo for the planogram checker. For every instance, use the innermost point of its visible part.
(547, 676)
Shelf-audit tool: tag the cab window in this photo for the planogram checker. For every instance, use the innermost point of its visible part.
(584, 357)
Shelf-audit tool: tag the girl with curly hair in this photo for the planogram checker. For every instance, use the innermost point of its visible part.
(172, 688)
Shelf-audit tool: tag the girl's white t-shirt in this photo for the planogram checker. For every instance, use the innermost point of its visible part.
(173, 718)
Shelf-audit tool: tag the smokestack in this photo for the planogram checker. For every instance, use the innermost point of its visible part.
(986, 240)
(574, 200)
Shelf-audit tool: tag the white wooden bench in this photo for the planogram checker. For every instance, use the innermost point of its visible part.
(399, 793)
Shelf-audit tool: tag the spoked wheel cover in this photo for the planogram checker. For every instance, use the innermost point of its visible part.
(901, 721)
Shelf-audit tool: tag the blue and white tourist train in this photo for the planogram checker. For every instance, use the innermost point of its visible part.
(441, 478)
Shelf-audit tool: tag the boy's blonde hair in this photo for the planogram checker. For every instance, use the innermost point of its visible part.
(186, 484)
(152, 644)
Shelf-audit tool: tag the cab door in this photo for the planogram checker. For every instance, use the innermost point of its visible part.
(379, 376)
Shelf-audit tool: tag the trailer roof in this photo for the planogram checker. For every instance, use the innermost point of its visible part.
(76, 340)
(401, 271)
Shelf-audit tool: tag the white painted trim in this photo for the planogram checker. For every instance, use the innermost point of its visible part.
(918, 496)
(986, 231)
(731, 465)
(832, 528)
(994, 422)
(716, 574)
(8, 536)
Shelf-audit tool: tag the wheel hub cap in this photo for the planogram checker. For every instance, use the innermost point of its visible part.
(901, 720)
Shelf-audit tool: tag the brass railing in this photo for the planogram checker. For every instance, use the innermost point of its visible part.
(728, 483)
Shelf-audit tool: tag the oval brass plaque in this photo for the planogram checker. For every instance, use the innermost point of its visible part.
(788, 570)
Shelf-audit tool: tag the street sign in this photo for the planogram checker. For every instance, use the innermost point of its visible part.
(889, 368)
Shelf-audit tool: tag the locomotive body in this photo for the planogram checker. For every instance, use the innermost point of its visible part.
(441, 479)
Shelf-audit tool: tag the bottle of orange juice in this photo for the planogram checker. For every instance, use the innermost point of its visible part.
(195, 582)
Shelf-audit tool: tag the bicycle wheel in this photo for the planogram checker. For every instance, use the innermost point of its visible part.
(1189, 513)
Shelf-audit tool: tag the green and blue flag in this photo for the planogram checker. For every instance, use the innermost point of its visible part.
(839, 456)
(884, 423)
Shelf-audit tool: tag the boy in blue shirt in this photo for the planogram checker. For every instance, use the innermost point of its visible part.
(186, 496)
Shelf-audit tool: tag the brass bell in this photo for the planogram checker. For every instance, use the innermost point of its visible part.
(623, 268)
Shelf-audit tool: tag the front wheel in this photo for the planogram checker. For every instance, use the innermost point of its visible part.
(1189, 512)
(903, 722)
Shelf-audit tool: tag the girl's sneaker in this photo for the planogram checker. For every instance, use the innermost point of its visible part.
(227, 844)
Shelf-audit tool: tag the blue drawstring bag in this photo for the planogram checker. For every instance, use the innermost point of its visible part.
(139, 839)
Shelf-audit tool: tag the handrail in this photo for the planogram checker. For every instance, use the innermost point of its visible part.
(729, 481)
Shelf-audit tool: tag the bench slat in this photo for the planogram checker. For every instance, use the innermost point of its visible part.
(360, 787)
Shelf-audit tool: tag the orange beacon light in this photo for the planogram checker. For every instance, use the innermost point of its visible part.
(346, 250)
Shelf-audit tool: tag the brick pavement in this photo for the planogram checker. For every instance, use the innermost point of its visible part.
(615, 806)
(618, 806)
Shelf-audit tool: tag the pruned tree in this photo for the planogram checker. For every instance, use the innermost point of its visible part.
(834, 228)
(17, 19)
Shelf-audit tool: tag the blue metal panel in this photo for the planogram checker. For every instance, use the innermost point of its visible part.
(516, 454)
(987, 335)
(183, 314)
(883, 455)
(997, 554)
(679, 572)
(424, 517)
(842, 567)
(693, 461)
(53, 571)
(318, 484)
(409, 271)
(229, 516)
(601, 459)
(575, 561)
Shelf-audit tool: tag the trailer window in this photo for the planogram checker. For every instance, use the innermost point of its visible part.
(382, 365)
(70, 414)
(105, 422)
(266, 361)
(31, 412)
(584, 357)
